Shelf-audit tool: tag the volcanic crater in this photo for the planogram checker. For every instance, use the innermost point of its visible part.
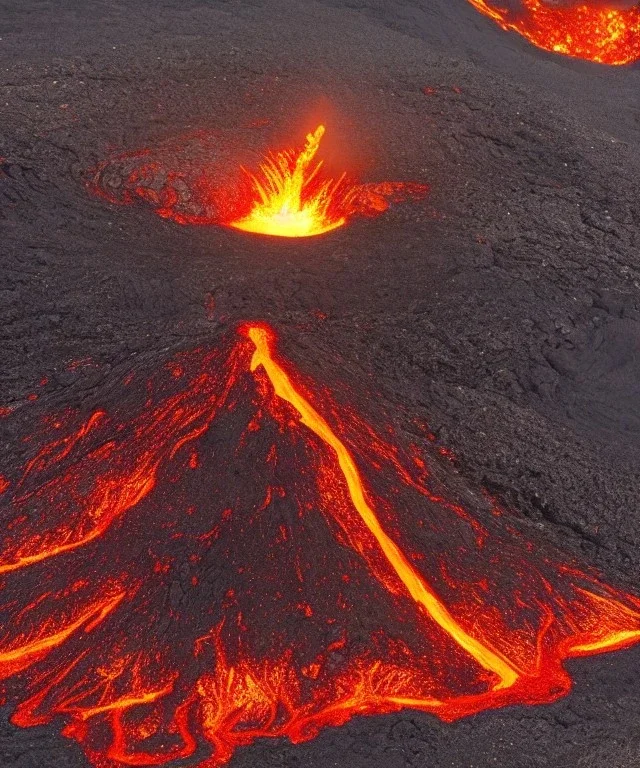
(262, 487)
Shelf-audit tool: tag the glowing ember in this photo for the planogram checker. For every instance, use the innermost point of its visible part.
(291, 202)
(587, 31)
(228, 554)
(287, 197)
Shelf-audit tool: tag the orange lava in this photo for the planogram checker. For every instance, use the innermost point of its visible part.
(588, 31)
(288, 196)
(224, 553)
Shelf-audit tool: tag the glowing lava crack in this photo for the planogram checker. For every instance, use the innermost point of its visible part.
(227, 554)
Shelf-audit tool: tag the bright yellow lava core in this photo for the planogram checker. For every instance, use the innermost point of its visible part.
(290, 198)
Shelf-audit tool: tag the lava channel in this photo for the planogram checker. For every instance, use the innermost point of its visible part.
(193, 180)
(585, 30)
(223, 552)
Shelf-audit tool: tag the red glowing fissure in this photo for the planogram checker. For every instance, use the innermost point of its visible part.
(228, 554)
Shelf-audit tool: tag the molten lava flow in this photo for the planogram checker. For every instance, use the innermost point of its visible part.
(585, 30)
(419, 590)
(288, 196)
(221, 553)
(290, 201)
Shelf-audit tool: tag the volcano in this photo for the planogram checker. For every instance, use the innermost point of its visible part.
(228, 563)
(318, 403)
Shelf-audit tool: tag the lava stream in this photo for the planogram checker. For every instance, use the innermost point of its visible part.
(415, 584)
(222, 553)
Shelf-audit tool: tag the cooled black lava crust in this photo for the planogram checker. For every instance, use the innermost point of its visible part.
(505, 312)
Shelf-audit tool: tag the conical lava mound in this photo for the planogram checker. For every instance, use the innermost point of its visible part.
(225, 554)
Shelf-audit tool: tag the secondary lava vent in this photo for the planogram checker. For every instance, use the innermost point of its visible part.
(595, 31)
(222, 552)
(194, 181)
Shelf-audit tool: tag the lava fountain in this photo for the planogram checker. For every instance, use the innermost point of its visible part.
(223, 551)
(287, 196)
(292, 199)
(585, 30)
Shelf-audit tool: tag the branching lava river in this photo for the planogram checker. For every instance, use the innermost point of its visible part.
(227, 553)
